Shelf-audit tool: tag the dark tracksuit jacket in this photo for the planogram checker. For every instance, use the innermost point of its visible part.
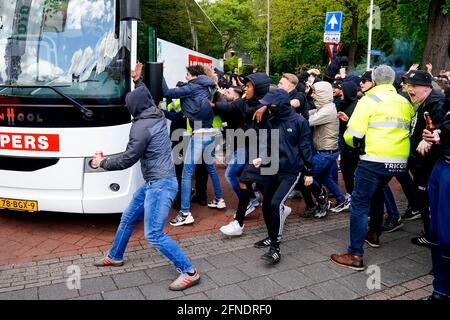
(149, 140)
(295, 161)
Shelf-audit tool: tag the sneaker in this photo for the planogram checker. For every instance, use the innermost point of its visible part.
(323, 205)
(421, 241)
(217, 203)
(185, 281)
(287, 212)
(181, 219)
(411, 215)
(372, 239)
(295, 194)
(273, 255)
(232, 229)
(391, 225)
(264, 243)
(108, 262)
(252, 205)
(308, 213)
(349, 261)
(322, 211)
(345, 205)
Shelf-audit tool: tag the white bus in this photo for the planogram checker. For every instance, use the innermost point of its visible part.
(64, 73)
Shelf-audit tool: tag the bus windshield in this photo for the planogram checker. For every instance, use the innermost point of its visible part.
(71, 44)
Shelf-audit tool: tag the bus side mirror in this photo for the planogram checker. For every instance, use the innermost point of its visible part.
(130, 10)
(153, 80)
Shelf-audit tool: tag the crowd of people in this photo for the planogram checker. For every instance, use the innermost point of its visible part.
(371, 128)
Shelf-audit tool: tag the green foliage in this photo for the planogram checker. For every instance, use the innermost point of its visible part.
(297, 26)
(230, 64)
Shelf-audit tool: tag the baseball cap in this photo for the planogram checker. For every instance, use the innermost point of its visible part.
(275, 96)
(337, 84)
(367, 76)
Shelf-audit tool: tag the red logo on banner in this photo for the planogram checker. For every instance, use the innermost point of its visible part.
(29, 142)
(193, 60)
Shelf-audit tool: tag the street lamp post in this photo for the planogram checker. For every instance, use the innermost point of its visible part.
(268, 39)
(369, 45)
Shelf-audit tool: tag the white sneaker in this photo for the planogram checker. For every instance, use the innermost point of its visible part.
(287, 212)
(232, 229)
(345, 205)
(217, 203)
(181, 219)
(252, 206)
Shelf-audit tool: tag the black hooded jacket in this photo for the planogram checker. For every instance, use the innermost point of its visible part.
(295, 142)
(348, 105)
(148, 141)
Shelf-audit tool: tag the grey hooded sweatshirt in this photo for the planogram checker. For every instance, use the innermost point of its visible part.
(149, 139)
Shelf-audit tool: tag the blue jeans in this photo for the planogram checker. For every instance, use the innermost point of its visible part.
(389, 201)
(195, 153)
(323, 163)
(439, 191)
(366, 197)
(151, 203)
(235, 167)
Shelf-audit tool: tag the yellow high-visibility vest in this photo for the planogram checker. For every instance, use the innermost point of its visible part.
(383, 118)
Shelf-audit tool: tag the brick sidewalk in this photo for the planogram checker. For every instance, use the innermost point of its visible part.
(232, 269)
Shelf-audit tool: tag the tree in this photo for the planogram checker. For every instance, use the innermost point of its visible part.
(236, 20)
(437, 49)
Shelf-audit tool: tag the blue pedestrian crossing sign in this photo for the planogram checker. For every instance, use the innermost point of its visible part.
(333, 21)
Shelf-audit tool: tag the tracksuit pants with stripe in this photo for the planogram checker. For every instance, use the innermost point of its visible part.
(276, 190)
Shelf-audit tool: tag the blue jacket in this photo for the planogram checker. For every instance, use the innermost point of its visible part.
(149, 140)
(194, 97)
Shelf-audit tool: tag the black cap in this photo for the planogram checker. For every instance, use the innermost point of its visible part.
(418, 77)
(337, 84)
(275, 96)
(367, 76)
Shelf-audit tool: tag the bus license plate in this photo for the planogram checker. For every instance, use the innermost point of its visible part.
(15, 204)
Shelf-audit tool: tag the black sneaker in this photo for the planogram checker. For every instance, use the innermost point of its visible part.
(411, 215)
(323, 204)
(372, 239)
(308, 213)
(273, 255)
(421, 241)
(264, 243)
(391, 225)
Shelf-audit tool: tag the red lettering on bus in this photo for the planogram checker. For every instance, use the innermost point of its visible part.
(29, 142)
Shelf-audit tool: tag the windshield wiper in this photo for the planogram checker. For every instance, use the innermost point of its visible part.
(85, 111)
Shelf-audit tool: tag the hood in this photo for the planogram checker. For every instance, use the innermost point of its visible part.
(324, 93)
(139, 100)
(261, 82)
(282, 111)
(150, 113)
(350, 91)
(204, 81)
